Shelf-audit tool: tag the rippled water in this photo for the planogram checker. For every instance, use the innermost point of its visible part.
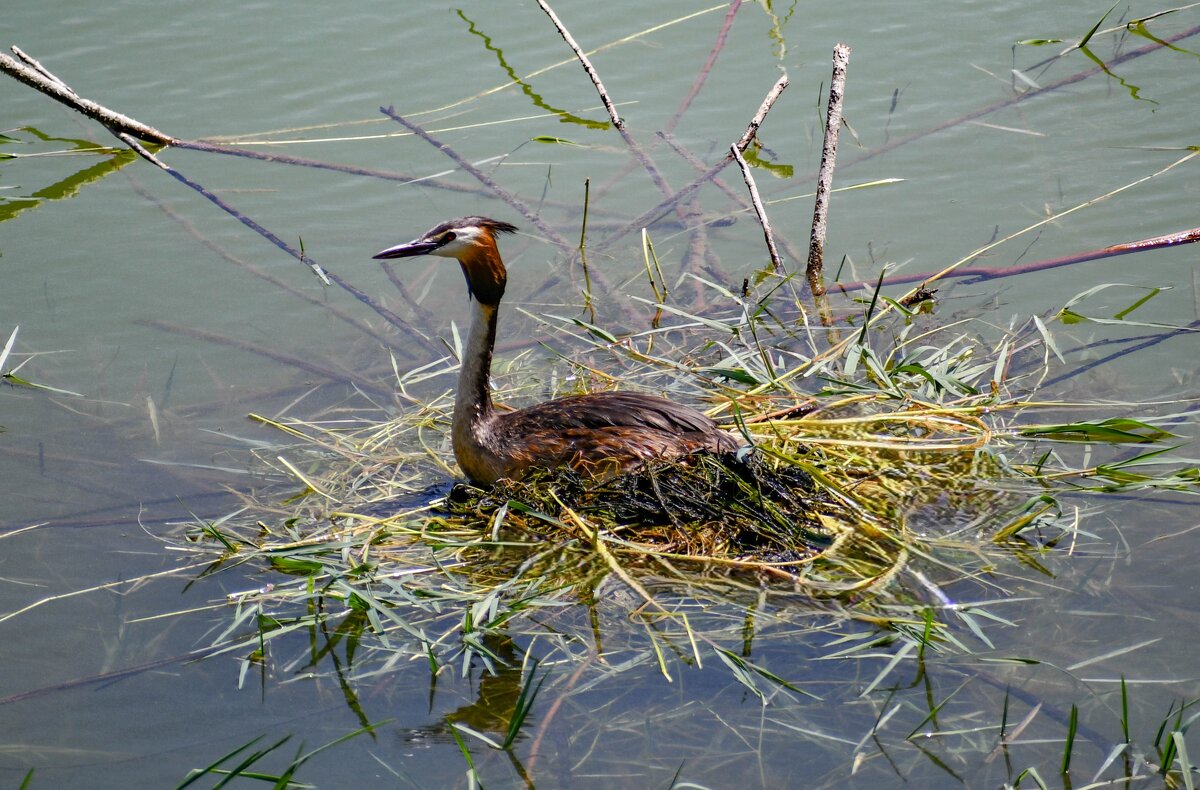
(151, 314)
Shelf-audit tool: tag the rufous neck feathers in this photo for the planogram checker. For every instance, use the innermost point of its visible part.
(485, 273)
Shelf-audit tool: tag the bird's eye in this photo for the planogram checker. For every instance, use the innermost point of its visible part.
(449, 237)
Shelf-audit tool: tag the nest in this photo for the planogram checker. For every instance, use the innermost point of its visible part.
(735, 505)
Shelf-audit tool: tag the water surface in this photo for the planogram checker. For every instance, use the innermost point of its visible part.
(138, 295)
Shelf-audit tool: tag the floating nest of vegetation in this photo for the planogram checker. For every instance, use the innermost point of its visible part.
(832, 504)
(908, 475)
(904, 484)
(734, 505)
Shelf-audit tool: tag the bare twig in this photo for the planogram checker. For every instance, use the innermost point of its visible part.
(759, 209)
(39, 78)
(228, 209)
(701, 77)
(761, 115)
(326, 277)
(886, 309)
(961, 262)
(587, 64)
(140, 150)
(35, 64)
(425, 317)
(738, 200)
(833, 125)
(983, 273)
(700, 167)
(697, 84)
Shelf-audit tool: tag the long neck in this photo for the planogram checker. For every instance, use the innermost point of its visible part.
(473, 402)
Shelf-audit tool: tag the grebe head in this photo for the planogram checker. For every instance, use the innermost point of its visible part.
(472, 242)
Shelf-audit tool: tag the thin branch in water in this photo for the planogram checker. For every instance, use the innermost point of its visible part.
(761, 115)
(333, 308)
(983, 273)
(648, 217)
(706, 69)
(326, 277)
(1022, 97)
(737, 199)
(426, 317)
(697, 84)
(131, 132)
(508, 197)
(833, 125)
(759, 209)
(331, 374)
(403, 178)
(36, 64)
(959, 264)
(587, 64)
(39, 78)
(228, 209)
(700, 167)
(634, 148)
(517, 204)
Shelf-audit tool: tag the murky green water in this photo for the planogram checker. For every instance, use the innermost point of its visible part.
(135, 293)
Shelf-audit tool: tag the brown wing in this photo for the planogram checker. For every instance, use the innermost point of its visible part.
(606, 432)
(612, 410)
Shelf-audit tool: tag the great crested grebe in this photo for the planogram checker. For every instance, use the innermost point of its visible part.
(598, 434)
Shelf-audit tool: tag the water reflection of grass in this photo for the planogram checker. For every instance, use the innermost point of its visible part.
(69, 186)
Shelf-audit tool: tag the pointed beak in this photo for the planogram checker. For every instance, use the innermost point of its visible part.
(407, 250)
